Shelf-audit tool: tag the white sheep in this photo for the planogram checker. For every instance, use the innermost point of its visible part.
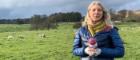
(42, 35)
(10, 37)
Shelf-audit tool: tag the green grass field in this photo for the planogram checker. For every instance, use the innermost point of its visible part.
(17, 42)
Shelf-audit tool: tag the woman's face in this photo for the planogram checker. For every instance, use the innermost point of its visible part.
(96, 12)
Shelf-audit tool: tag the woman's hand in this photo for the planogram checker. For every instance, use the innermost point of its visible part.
(90, 51)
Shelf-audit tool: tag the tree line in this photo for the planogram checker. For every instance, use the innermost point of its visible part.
(51, 21)
(44, 21)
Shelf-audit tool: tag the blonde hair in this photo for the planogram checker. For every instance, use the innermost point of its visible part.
(106, 16)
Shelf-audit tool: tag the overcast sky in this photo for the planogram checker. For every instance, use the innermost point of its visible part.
(27, 8)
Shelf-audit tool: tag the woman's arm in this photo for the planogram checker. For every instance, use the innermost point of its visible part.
(118, 50)
(78, 49)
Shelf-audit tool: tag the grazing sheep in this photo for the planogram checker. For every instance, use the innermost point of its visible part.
(42, 35)
(10, 37)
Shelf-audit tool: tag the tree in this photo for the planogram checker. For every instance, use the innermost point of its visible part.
(122, 14)
(37, 21)
(43, 22)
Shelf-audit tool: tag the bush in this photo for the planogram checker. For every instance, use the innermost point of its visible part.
(77, 25)
(131, 20)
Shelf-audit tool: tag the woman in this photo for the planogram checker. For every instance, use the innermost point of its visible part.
(97, 26)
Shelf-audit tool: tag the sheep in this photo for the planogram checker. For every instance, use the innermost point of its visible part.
(42, 35)
(10, 37)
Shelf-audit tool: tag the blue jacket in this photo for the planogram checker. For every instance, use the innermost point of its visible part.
(109, 42)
